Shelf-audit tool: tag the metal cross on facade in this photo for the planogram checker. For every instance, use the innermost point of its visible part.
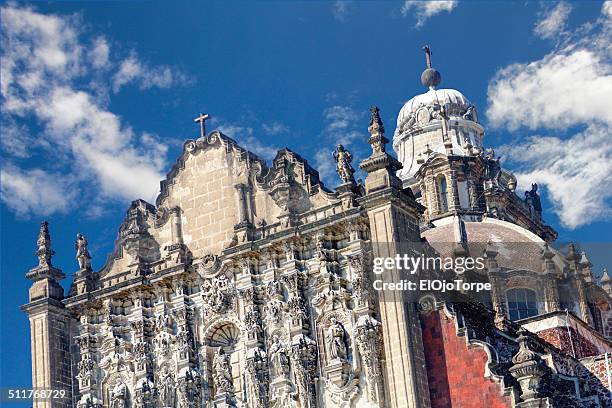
(202, 119)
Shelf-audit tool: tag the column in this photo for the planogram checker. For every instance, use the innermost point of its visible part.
(454, 204)
(498, 292)
(551, 299)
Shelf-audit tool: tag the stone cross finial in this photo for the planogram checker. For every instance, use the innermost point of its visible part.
(44, 251)
(427, 55)
(202, 120)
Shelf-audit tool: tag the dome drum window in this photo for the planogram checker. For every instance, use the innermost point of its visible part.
(522, 303)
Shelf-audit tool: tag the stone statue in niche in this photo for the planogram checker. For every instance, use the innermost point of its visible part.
(119, 395)
(82, 253)
(336, 341)
(343, 165)
(279, 360)
(222, 372)
(166, 388)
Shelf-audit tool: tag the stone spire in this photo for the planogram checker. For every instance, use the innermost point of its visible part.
(44, 251)
(606, 281)
(45, 276)
(379, 159)
(585, 266)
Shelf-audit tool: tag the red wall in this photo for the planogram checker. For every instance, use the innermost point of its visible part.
(454, 372)
(560, 338)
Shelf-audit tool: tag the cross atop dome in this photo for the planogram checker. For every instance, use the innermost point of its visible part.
(427, 55)
(430, 78)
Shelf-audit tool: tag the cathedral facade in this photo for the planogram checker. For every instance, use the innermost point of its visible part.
(251, 285)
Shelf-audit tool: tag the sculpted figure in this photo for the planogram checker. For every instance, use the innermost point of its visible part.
(492, 166)
(119, 395)
(166, 388)
(469, 113)
(82, 253)
(343, 164)
(222, 372)
(532, 199)
(336, 341)
(279, 361)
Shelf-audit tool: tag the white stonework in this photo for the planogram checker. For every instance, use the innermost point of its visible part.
(249, 285)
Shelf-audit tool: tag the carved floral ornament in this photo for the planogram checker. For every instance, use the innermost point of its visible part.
(218, 293)
(209, 266)
(368, 339)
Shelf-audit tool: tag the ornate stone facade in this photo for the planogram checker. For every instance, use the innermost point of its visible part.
(248, 285)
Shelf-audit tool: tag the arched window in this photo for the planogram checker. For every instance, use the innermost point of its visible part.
(443, 194)
(521, 303)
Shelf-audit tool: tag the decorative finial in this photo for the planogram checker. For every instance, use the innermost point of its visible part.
(343, 165)
(44, 251)
(82, 253)
(379, 159)
(528, 368)
(430, 78)
(605, 277)
(377, 131)
(202, 120)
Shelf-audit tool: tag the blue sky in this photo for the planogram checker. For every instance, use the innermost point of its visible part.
(98, 97)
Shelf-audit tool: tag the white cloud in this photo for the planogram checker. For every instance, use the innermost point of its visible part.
(35, 191)
(567, 89)
(16, 139)
(553, 20)
(423, 10)
(606, 9)
(570, 85)
(341, 124)
(325, 165)
(340, 9)
(99, 53)
(577, 172)
(132, 70)
(243, 135)
(44, 64)
(275, 128)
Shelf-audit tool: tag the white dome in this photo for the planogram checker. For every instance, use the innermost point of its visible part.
(433, 97)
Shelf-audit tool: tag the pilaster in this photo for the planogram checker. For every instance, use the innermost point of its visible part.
(49, 327)
(393, 219)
